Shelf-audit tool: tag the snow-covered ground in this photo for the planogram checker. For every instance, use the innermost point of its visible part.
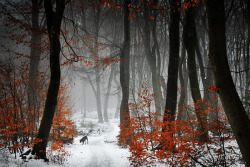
(101, 151)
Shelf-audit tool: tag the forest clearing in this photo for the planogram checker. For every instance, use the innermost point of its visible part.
(101, 83)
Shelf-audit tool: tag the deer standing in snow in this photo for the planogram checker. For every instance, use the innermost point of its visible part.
(84, 140)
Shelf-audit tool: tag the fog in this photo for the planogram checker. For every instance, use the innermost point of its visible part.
(83, 97)
(152, 78)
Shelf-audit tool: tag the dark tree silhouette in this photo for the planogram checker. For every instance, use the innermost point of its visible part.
(174, 46)
(124, 66)
(54, 19)
(231, 102)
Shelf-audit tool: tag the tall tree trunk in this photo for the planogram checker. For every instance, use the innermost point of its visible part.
(84, 100)
(133, 62)
(106, 119)
(124, 68)
(155, 47)
(97, 97)
(183, 85)
(212, 98)
(35, 53)
(189, 39)
(247, 66)
(231, 102)
(53, 26)
(97, 72)
(118, 97)
(151, 59)
(174, 46)
(202, 70)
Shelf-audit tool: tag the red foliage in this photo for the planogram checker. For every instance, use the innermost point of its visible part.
(213, 89)
(19, 123)
(62, 127)
(177, 144)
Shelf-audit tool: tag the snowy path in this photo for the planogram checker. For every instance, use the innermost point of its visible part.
(98, 153)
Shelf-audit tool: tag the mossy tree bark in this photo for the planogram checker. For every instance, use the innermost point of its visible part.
(54, 19)
(231, 102)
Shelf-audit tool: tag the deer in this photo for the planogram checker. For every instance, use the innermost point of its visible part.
(84, 140)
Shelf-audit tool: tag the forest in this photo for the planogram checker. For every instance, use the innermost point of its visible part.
(125, 83)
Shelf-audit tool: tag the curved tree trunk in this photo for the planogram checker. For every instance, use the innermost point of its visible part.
(231, 102)
(53, 26)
